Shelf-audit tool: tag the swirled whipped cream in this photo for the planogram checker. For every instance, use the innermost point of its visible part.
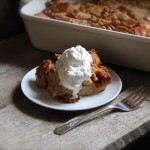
(73, 67)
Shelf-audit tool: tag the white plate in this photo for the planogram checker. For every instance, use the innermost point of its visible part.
(43, 98)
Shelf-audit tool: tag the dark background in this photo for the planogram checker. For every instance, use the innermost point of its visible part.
(11, 24)
(10, 21)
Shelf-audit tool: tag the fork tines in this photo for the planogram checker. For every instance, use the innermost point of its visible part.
(137, 96)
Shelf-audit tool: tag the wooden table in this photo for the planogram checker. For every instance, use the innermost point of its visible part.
(25, 125)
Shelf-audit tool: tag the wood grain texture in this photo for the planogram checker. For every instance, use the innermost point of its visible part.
(25, 125)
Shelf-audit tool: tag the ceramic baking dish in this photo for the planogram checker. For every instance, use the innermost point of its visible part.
(115, 48)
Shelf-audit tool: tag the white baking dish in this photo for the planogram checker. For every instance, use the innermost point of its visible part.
(114, 47)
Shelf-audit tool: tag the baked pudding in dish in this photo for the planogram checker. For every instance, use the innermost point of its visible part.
(77, 72)
(128, 16)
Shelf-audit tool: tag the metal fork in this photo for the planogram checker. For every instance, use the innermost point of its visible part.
(131, 102)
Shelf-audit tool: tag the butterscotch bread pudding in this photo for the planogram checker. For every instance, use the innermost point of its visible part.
(77, 72)
(129, 16)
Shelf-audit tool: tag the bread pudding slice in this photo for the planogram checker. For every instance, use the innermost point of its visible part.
(47, 78)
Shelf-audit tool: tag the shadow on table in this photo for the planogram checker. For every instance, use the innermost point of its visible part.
(142, 143)
(36, 111)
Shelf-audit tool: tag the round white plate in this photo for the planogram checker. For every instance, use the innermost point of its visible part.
(43, 98)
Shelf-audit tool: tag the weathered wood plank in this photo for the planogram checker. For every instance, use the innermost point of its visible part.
(25, 125)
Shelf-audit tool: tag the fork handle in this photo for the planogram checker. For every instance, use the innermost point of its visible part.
(78, 120)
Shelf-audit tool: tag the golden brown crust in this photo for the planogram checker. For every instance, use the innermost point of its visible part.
(47, 77)
(42, 73)
(100, 77)
(129, 16)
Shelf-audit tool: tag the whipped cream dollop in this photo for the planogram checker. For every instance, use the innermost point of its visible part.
(73, 67)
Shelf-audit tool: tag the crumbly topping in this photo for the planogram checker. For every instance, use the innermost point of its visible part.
(129, 16)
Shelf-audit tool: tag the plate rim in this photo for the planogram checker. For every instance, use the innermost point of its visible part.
(74, 109)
